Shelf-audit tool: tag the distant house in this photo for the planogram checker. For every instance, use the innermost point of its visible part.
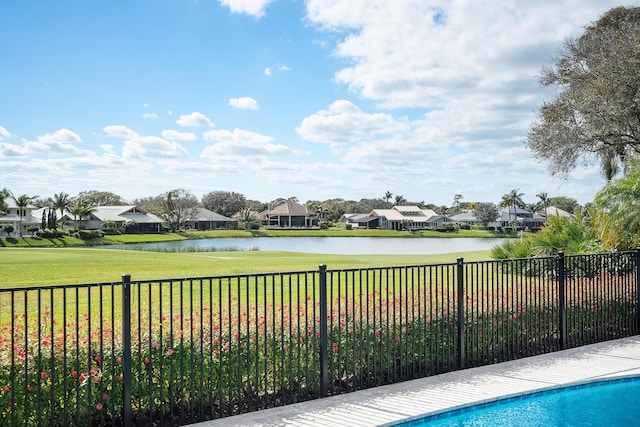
(521, 218)
(359, 220)
(507, 217)
(209, 220)
(289, 215)
(130, 218)
(19, 218)
(554, 211)
(408, 218)
(466, 218)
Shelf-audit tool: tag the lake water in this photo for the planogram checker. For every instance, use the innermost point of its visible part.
(330, 245)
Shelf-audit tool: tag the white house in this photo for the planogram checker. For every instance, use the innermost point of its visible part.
(408, 218)
(133, 218)
(18, 218)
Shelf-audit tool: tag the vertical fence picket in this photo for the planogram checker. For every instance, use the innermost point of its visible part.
(562, 290)
(460, 295)
(324, 363)
(126, 351)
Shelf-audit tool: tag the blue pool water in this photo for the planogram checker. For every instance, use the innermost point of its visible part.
(602, 403)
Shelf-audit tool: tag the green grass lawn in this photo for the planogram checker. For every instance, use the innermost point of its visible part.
(46, 266)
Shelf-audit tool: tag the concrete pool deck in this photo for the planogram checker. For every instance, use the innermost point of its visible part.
(409, 400)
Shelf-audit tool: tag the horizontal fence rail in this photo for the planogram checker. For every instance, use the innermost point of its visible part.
(179, 351)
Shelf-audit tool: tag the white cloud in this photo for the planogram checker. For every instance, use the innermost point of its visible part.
(4, 134)
(174, 135)
(244, 103)
(62, 136)
(194, 119)
(248, 7)
(200, 169)
(61, 141)
(12, 150)
(119, 131)
(149, 115)
(269, 70)
(241, 143)
(146, 147)
(344, 122)
(418, 53)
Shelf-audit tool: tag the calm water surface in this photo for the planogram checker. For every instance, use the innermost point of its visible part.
(331, 245)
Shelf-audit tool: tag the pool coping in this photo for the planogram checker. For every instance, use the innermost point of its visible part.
(403, 402)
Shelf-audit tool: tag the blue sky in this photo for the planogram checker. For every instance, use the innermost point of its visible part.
(315, 99)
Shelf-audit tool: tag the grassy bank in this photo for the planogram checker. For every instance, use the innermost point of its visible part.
(42, 266)
(68, 241)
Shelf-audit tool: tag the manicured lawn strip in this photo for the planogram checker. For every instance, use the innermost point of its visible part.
(42, 266)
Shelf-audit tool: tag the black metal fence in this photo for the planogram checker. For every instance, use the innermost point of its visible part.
(178, 351)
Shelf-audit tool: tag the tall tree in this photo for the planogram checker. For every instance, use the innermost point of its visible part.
(22, 202)
(544, 200)
(227, 203)
(387, 197)
(485, 213)
(179, 206)
(512, 200)
(4, 194)
(101, 198)
(367, 205)
(597, 110)
(400, 200)
(618, 205)
(568, 204)
(61, 201)
(456, 200)
(79, 208)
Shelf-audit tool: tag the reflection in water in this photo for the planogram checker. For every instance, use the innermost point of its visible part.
(329, 245)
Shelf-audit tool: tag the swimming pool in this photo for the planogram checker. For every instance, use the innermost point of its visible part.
(613, 402)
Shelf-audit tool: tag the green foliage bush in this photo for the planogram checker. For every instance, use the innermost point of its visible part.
(89, 234)
(50, 234)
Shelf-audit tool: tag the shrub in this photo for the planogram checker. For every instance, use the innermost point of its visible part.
(89, 234)
(49, 234)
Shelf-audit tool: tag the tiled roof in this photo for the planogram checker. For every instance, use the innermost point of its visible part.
(290, 208)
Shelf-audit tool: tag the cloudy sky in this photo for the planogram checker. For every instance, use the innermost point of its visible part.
(315, 99)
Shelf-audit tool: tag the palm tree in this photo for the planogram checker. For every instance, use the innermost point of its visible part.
(387, 196)
(78, 208)
(512, 199)
(617, 217)
(22, 202)
(400, 200)
(247, 218)
(544, 200)
(61, 202)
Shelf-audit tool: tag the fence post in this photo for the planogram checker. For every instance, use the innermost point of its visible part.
(562, 306)
(126, 350)
(324, 358)
(637, 290)
(461, 300)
